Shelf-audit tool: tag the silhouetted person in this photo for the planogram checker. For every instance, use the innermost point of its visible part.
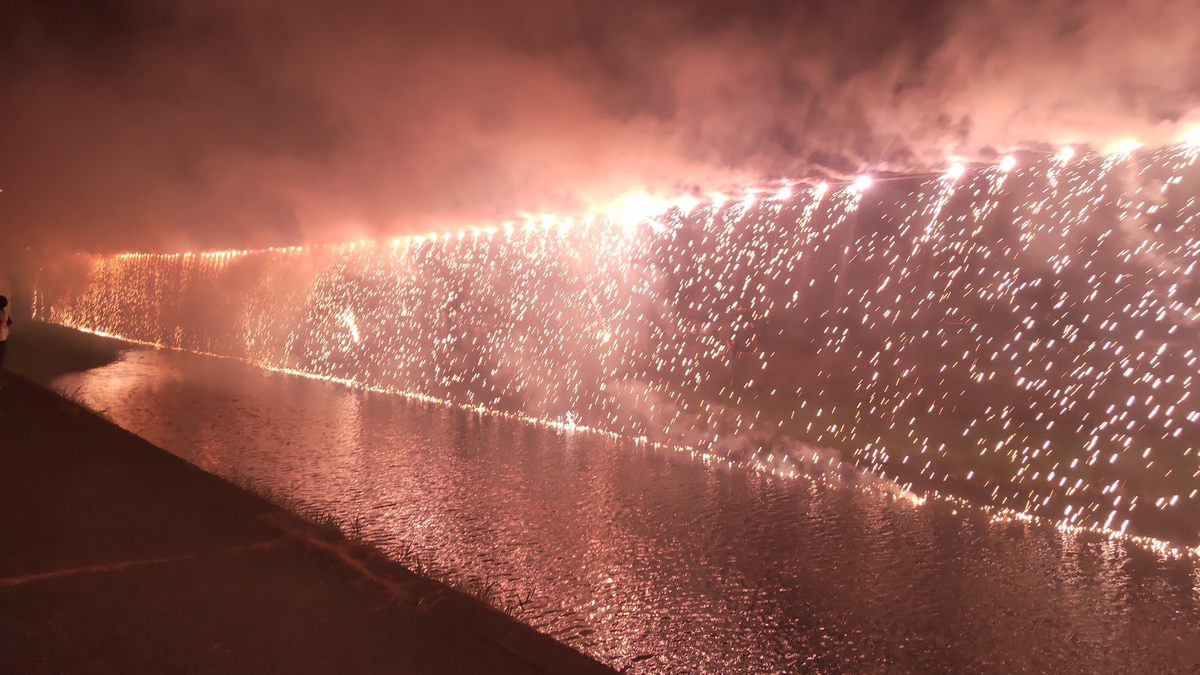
(5, 322)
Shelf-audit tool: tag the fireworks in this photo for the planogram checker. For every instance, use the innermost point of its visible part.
(1022, 337)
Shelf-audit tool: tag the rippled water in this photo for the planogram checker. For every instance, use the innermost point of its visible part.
(659, 564)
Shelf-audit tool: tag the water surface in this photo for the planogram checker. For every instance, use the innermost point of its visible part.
(657, 563)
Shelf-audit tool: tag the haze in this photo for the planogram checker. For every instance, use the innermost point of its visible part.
(169, 125)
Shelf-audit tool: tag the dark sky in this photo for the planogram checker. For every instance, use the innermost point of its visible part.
(172, 124)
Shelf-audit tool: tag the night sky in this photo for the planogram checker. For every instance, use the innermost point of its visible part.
(170, 125)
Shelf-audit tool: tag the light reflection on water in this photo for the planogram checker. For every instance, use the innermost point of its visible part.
(673, 567)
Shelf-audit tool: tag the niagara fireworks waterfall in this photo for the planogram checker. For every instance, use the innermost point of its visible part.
(565, 337)
(1020, 336)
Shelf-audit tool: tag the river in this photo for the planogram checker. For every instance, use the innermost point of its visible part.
(654, 561)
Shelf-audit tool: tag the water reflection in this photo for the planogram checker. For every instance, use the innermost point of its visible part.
(663, 565)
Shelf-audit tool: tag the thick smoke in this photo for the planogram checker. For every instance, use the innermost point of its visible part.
(132, 124)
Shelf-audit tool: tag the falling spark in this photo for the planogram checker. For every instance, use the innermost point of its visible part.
(1018, 341)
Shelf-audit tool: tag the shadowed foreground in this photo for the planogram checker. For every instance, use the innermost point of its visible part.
(118, 557)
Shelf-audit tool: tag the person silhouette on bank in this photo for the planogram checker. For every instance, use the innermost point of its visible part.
(5, 322)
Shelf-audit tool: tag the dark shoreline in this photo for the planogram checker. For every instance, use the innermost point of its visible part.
(43, 351)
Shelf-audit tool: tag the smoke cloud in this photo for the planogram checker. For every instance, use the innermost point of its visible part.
(159, 125)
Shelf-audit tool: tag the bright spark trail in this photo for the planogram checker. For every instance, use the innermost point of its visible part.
(1021, 337)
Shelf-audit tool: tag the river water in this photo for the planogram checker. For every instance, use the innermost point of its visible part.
(658, 563)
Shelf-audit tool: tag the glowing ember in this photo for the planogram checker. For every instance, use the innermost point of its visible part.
(1127, 146)
(686, 204)
(638, 207)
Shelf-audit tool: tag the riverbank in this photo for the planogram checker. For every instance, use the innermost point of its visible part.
(44, 351)
(120, 557)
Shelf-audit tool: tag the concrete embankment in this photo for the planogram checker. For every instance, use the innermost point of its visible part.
(117, 557)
